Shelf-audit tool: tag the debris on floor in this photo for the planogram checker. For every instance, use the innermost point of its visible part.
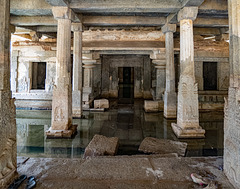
(162, 146)
(100, 146)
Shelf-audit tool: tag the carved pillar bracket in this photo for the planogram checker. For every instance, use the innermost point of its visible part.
(77, 70)
(170, 101)
(62, 93)
(187, 115)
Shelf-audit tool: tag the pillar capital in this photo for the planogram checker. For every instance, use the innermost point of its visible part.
(63, 13)
(169, 28)
(77, 27)
(160, 64)
(189, 13)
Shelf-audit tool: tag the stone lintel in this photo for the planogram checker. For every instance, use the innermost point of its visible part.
(169, 28)
(189, 13)
(197, 132)
(64, 13)
(77, 27)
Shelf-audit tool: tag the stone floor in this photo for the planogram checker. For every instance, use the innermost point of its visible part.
(122, 172)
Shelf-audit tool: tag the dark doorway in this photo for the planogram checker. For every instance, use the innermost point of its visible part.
(38, 75)
(126, 87)
(210, 75)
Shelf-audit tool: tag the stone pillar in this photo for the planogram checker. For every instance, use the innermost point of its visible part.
(232, 104)
(88, 82)
(14, 71)
(170, 97)
(8, 149)
(160, 77)
(77, 70)
(187, 115)
(62, 93)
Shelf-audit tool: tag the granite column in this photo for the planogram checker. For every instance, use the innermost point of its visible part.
(187, 115)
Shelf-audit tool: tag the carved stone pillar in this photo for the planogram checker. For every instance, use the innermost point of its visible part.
(62, 93)
(160, 77)
(77, 70)
(8, 154)
(187, 116)
(88, 82)
(170, 101)
(232, 104)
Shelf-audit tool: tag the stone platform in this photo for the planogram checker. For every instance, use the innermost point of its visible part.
(122, 172)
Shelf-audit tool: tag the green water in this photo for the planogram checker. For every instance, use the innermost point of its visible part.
(127, 122)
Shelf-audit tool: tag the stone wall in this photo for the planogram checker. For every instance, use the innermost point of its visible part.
(110, 78)
(23, 56)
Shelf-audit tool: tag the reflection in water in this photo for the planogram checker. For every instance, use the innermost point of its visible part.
(128, 122)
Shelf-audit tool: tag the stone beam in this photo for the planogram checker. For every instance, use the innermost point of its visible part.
(123, 20)
(33, 21)
(30, 8)
(58, 2)
(213, 22)
(114, 21)
(192, 3)
(125, 6)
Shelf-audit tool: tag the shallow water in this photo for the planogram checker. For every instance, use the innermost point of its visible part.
(127, 122)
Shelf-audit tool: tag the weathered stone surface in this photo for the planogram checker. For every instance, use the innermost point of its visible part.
(100, 146)
(162, 146)
(123, 172)
(101, 103)
(8, 163)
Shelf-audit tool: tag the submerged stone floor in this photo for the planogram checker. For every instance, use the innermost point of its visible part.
(122, 172)
(128, 122)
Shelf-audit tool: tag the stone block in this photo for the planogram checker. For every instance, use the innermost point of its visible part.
(100, 146)
(101, 103)
(162, 146)
(153, 106)
(62, 133)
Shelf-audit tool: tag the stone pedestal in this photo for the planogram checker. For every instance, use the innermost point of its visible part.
(62, 92)
(88, 82)
(8, 148)
(187, 116)
(170, 101)
(77, 71)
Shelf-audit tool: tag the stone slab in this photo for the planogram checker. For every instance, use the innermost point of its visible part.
(101, 103)
(162, 146)
(100, 146)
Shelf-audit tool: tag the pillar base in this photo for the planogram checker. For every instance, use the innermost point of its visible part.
(170, 107)
(62, 133)
(77, 113)
(197, 132)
